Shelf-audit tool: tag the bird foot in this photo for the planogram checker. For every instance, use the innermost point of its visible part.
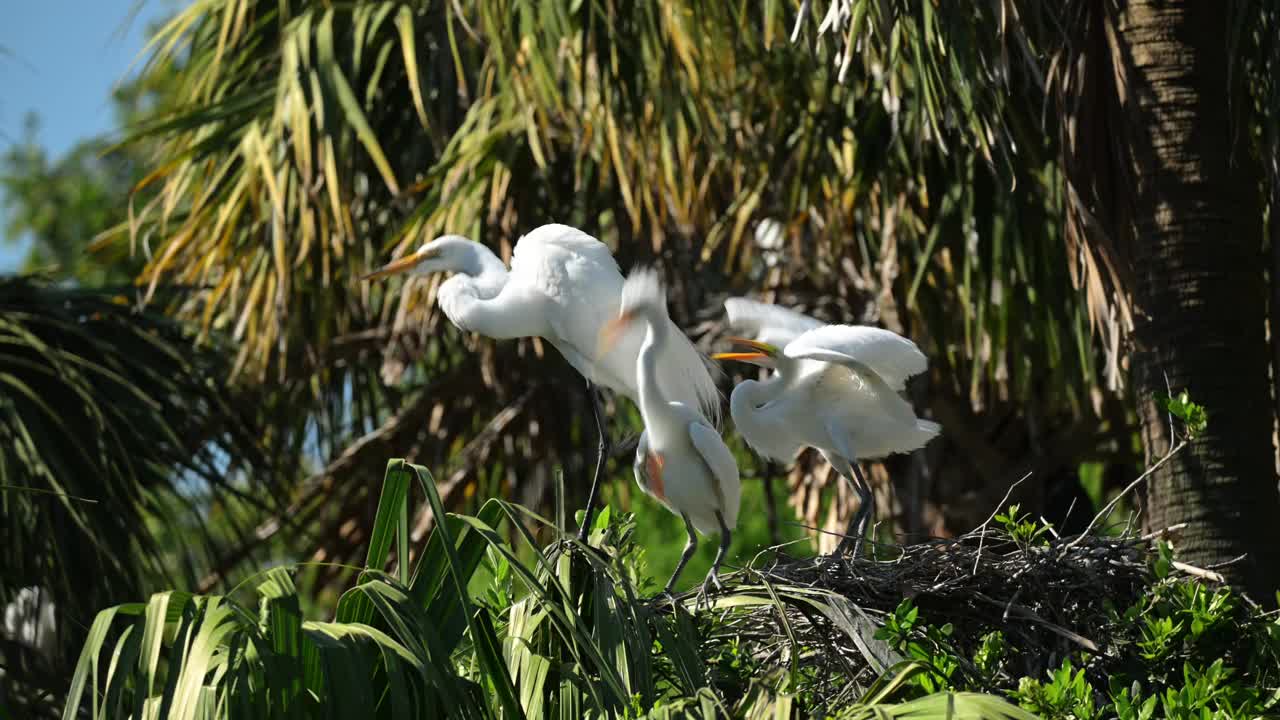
(849, 546)
(559, 546)
(666, 597)
(712, 582)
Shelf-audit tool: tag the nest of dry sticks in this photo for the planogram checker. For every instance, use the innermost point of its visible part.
(1050, 599)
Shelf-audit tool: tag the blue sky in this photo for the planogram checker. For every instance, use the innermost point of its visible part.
(60, 59)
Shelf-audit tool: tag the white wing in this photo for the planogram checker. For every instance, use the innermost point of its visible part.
(723, 468)
(887, 354)
(580, 286)
(768, 323)
(566, 239)
(857, 392)
(579, 279)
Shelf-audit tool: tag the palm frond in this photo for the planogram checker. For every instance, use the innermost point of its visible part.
(315, 140)
(117, 437)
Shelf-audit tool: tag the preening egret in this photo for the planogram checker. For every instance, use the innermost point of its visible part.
(835, 388)
(681, 460)
(563, 286)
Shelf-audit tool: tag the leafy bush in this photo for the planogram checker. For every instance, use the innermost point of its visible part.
(480, 626)
(470, 629)
(1182, 650)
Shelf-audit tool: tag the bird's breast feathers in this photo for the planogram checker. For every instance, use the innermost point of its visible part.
(655, 486)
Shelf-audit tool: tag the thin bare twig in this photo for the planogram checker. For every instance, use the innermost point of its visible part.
(1165, 531)
(982, 538)
(1106, 511)
(1227, 563)
(1199, 572)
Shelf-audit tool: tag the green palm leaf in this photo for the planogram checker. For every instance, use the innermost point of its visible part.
(116, 435)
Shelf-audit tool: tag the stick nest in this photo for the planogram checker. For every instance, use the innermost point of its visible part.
(1050, 600)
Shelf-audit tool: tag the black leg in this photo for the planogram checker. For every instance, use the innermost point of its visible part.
(770, 504)
(726, 536)
(685, 556)
(852, 543)
(602, 454)
(868, 498)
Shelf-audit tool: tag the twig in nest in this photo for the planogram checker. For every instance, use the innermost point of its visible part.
(1199, 572)
(1106, 511)
(982, 529)
(1162, 533)
(1027, 613)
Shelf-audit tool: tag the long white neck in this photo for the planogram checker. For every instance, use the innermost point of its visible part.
(747, 396)
(763, 429)
(473, 299)
(484, 272)
(653, 402)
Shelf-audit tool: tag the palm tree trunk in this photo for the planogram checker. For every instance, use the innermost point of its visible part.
(1198, 287)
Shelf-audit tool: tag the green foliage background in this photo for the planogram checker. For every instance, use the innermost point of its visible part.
(278, 150)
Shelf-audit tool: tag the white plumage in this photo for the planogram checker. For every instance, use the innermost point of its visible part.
(886, 354)
(563, 286)
(835, 388)
(768, 323)
(681, 460)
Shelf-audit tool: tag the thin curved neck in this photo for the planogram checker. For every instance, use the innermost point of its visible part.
(487, 273)
(473, 299)
(653, 402)
(746, 397)
(762, 428)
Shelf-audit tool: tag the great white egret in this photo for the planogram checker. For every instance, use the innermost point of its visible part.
(563, 286)
(681, 460)
(835, 388)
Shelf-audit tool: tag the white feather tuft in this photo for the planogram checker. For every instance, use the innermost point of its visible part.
(686, 373)
(643, 288)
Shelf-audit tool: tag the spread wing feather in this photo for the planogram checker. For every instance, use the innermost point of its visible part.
(768, 323)
(863, 349)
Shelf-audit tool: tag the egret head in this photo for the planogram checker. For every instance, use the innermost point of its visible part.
(643, 298)
(762, 353)
(447, 253)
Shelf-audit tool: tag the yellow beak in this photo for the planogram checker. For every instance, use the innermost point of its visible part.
(762, 350)
(747, 356)
(612, 330)
(396, 267)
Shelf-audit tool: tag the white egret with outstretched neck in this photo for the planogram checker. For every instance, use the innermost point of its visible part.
(563, 286)
(835, 388)
(681, 460)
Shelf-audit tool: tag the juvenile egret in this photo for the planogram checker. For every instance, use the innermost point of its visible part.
(563, 286)
(835, 388)
(681, 460)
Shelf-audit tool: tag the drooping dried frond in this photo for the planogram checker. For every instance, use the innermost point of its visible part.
(1086, 84)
